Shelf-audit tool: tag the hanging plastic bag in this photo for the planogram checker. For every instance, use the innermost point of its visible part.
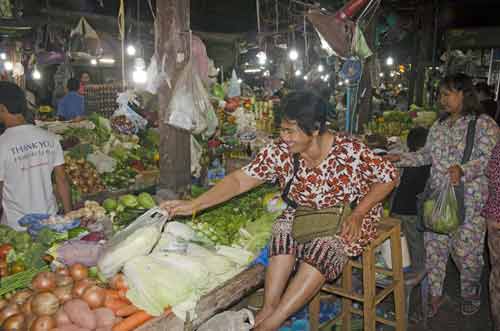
(137, 239)
(242, 320)
(156, 75)
(441, 210)
(137, 121)
(190, 107)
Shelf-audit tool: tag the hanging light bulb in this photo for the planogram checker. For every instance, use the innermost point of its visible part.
(3, 56)
(93, 62)
(321, 68)
(240, 81)
(347, 81)
(389, 61)
(139, 76)
(298, 73)
(381, 75)
(261, 58)
(8, 65)
(131, 50)
(37, 75)
(293, 54)
(341, 83)
(305, 77)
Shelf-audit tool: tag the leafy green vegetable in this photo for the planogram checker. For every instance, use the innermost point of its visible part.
(48, 237)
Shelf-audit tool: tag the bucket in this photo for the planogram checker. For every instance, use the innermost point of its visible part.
(385, 250)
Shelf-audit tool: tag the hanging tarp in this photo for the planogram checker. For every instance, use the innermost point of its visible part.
(359, 45)
(336, 32)
(84, 38)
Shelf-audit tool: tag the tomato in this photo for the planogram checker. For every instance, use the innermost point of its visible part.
(17, 267)
(5, 249)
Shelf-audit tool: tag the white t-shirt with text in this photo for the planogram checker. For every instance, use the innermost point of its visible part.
(28, 156)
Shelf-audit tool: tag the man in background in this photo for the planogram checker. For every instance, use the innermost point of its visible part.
(72, 106)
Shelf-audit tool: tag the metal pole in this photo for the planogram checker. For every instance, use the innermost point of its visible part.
(490, 70)
(306, 46)
(257, 4)
(348, 110)
(277, 16)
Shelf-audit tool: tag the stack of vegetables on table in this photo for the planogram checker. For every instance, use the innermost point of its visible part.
(86, 278)
(71, 299)
(398, 123)
(108, 155)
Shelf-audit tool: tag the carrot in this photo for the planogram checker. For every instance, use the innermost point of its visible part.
(115, 304)
(122, 293)
(133, 321)
(112, 294)
(126, 310)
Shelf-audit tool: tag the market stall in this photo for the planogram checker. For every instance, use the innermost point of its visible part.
(122, 273)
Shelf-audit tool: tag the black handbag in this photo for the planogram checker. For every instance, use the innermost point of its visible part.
(459, 189)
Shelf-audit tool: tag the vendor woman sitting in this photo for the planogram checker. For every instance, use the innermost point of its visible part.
(71, 107)
(317, 170)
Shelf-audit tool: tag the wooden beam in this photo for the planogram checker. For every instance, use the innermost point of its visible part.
(172, 40)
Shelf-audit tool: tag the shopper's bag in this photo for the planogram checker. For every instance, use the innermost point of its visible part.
(242, 320)
(441, 211)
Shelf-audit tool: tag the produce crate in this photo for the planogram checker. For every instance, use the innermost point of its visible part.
(101, 99)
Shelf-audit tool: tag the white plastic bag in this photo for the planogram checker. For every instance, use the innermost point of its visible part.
(156, 75)
(190, 107)
(242, 320)
(102, 162)
(137, 239)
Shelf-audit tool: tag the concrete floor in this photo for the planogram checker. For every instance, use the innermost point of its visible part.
(450, 318)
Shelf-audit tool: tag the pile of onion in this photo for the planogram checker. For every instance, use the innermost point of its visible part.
(41, 307)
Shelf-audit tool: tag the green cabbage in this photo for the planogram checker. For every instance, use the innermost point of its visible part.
(155, 284)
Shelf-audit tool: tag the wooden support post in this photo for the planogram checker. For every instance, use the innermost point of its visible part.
(173, 42)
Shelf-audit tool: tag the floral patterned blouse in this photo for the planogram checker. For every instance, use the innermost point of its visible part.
(445, 147)
(492, 208)
(344, 176)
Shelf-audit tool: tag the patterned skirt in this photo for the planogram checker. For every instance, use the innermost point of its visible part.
(327, 254)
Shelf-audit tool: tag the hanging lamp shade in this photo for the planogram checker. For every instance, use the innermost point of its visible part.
(336, 32)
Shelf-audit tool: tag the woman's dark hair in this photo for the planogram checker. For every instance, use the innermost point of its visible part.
(463, 83)
(416, 138)
(73, 84)
(306, 108)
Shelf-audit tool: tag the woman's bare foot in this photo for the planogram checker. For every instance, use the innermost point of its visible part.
(264, 313)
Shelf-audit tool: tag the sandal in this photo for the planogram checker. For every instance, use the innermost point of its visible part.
(434, 310)
(471, 305)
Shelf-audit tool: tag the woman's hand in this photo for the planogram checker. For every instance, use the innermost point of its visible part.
(392, 157)
(180, 207)
(455, 173)
(351, 228)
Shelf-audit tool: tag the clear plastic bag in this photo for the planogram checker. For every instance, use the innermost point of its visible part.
(190, 107)
(242, 320)
(102, 162)
(441, 213)
(137, 239)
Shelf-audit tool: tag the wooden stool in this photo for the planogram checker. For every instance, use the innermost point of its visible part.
(387, 229)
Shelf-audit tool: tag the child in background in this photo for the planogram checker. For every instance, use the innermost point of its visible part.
(404, 204)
